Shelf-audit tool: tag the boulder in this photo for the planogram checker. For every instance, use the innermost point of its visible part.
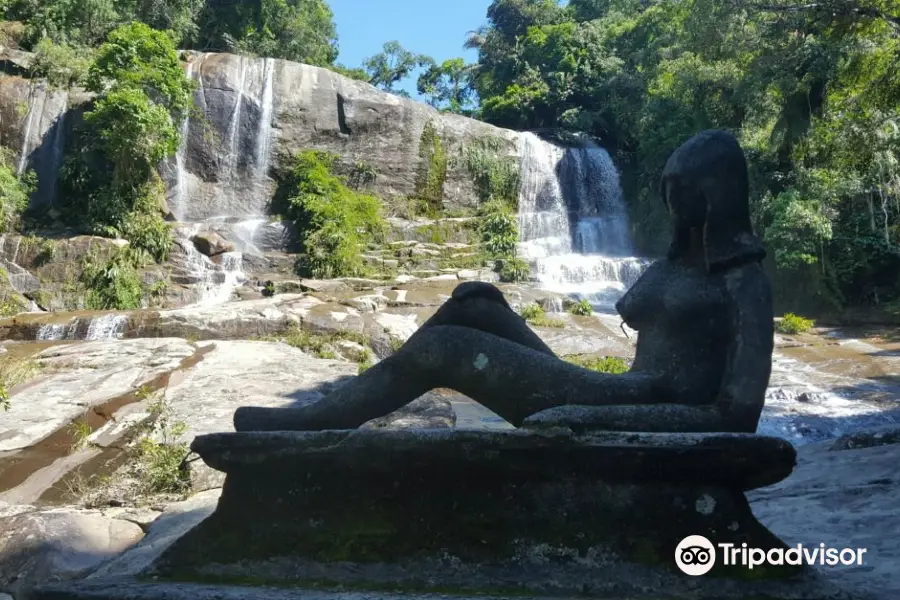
(45, 546)
(210, 243)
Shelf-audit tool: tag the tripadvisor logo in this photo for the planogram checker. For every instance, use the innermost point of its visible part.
(695, 555)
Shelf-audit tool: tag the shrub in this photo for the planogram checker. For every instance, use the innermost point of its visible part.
(792, 324)
(498, 230)
(496, 177)
(323, 345)
(136, 57)
(113, 283)
(604, 364)
(14, 191)
(14, 371)
(432, 170)
(513, 270)
(582, 308)
(532, 311)
(335, 222)
(62, 65)
(162, 453)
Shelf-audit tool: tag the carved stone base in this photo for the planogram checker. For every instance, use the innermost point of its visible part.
(484, 512)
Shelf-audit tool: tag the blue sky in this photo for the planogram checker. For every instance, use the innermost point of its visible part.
(433, 27)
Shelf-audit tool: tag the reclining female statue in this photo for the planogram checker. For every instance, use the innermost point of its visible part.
(703, 316)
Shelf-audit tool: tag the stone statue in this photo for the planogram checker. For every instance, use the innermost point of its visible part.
(703, 315)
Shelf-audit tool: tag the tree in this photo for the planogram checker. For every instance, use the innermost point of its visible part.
(448, 86)
(135, 56)
(392, 65)
(811, 89)
(299, 30)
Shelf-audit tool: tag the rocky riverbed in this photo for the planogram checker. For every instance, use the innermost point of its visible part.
(89, 420)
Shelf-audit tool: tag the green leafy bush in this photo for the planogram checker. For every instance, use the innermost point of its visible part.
(112, 284)
(162, 453)
(335, 222)
(531, 311)
(324, 345)
(513, 270)
(498, 230)
(432, 172)
(110, 181)
(62, 65)
(14, 191)
(495, 175)
(136, 57)
(582, 308)
(605, 364)
(792, 324)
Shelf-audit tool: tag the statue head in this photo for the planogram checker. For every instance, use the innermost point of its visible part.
(705, 187)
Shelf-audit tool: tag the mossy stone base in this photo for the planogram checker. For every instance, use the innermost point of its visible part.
(312, 515)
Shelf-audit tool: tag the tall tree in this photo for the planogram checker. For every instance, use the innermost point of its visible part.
(392, 65)
(448, 86)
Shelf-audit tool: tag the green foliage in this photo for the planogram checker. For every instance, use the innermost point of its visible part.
(448, 86)
(392, 65)
(61, 65)
(432, 171)
(110, 182)
(112, 284)
(604, 364)
(531, 311)
(792, 324)
(496, 175)
(582, 308)
(14, 371)
(335, 222)
(356, 73)
(498, 230)
(269, 289)
(162, 454)
(299, 30)
(14, 191)
(325, 345)
(80, 431)
(138, 58)
(810, 89)
(513, 270)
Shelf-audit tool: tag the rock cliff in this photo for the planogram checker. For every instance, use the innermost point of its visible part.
(249, 112)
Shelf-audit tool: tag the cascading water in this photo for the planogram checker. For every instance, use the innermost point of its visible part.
(181, 191)
(264, 129)
(235, 127)
(572, 222)
(33, 110)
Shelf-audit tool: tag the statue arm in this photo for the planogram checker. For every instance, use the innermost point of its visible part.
(743, 390)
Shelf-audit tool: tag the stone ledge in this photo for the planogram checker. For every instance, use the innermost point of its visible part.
(133, 590)
(743, 461)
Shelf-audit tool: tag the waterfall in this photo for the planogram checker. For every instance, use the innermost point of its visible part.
(106, 327)
(573, 224)
(180, 174)
(235, 128)
(216, 283)
(33, 109)
(264, 129)
(59, 143)
(102, 327)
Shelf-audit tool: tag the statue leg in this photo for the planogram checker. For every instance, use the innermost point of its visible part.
(481, 306)
(510, 379)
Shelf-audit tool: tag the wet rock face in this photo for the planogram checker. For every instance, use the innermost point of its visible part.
(252, 111)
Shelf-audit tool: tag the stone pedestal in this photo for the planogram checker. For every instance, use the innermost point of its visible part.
(482, 512)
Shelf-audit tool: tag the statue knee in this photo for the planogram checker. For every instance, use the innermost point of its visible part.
(479, 289)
